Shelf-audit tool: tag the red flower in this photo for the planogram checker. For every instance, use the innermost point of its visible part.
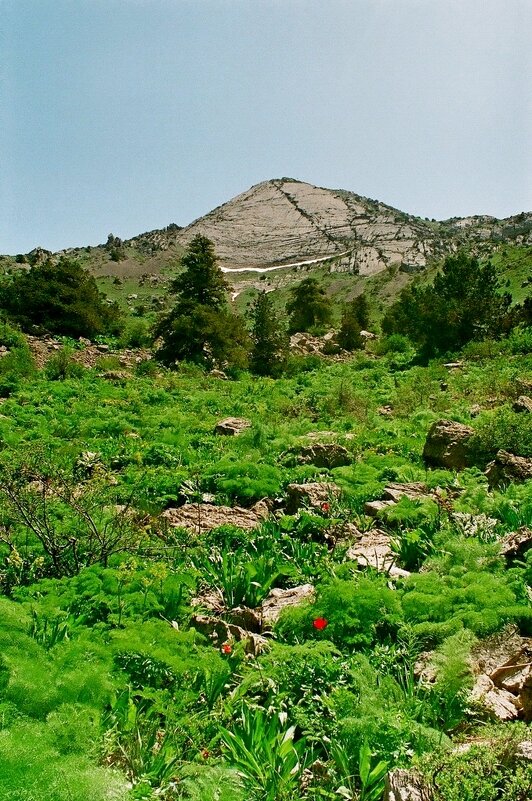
(205, 754)
(320, 623)
(226, 648)
(326, 507)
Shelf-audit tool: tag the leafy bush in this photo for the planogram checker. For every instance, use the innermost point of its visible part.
(62, 298)
(358, 613)
(243, 481)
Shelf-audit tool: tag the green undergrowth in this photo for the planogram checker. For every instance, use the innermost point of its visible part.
(106, 689)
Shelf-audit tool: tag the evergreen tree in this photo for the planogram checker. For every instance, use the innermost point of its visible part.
(355, 318)
(308, 307)
(60, 298)
(463, 303)
(201, 281)
(268, 336)
(200, 327)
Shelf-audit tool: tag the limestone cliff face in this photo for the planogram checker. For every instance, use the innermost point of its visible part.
(289, 222)
(286, 221)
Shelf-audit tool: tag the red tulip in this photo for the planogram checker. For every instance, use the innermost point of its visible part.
(320, 623)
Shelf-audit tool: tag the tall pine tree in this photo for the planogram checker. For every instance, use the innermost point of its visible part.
(269, 339)
(200, 326)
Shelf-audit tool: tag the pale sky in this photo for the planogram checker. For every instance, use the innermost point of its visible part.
(126, 115)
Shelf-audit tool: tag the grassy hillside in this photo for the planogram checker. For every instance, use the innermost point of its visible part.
(109, 688)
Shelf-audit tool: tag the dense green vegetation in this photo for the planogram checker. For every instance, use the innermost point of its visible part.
(108, 690)
(60, 298)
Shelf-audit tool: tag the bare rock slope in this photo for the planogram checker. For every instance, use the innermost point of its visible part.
(285, 222)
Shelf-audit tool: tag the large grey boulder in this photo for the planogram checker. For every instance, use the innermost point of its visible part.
(232, 426)
(507, 468)
(280, 599)
(447, 445)
(523, 404)
(313, 494)
(515, 544)
(325, 454)
(405, 785)
(198, 518)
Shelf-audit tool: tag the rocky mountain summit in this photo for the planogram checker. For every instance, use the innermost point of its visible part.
(285, 222)
(288, 223)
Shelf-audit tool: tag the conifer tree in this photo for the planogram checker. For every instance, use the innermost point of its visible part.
(308, 307)
(268, 336)
(200, 326)
(355, 318)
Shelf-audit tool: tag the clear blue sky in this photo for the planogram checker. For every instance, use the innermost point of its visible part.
(126, 115)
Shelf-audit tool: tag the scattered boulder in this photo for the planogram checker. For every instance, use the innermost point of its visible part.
(414, 490)
(373, 549)
(524, 386)
(312, 494)
(325, 454)
(503, 664)
(246, 618)
(392, 494)
(507, 468)
(405, 785)
(221, 632)
(524, 750)
(500, 703)
(232, 426)
(447, 445)
(523, 404)
(374, 508)
(218, 374)
(198, 518)
(515, 544)
(279, 599)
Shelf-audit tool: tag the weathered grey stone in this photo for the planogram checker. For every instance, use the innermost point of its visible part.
(311, 494)
(199, 518)
(515, 544)
(373, 550)
(500, 703)
(507, 468)
(325, 454)
(280, 599)
(405, 785)
(523, 404)
(447, 445)
(374, 508)
(221, 632)
(232, 426)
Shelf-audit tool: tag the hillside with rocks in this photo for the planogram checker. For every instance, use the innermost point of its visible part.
(285, 222)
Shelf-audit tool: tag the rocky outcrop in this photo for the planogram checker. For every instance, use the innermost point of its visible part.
(515, 544)
(507, 468)
(220, 632)
(313, 495)
(523, 404)
(288, 222)
(447, 445)
(279, 599)
(198, 518)
(406, 785)
(232, 426)
(504, 676)
(373, 549)
(392, 494)
(325, 454)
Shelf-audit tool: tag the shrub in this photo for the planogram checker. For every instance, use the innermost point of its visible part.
(358, 613)
(62, 298)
